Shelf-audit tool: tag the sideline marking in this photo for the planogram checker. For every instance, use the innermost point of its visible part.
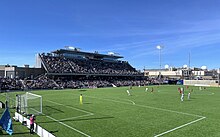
(161, 109)
(180, 127)
(68, 126)
(196, 94)
(59, 121)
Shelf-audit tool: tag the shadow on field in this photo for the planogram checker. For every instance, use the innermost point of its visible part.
(84, 119)
(79, 119)
(52, 109)
(87, 103)
(20, 133)
(53, 131)
(25, 133)
(82, 90)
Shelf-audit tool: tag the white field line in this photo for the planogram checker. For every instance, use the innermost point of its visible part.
(161, 109)
(87, 112)
(132, 102)
(38, 112)
(172, 111)
(59, 121)
(76, 117)
(179, 127)
(203, 94)
(127, 100)
(68, 126)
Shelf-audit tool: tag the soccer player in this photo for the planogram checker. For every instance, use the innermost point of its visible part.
(182, 93)
(152, 90)
(182, 90)
(146, 89)
(80, 99)
(182, 96)
(189, 95)
(128, 92)
(179, 90)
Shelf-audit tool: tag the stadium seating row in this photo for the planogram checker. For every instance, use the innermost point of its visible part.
(60, 64)
(46, 83)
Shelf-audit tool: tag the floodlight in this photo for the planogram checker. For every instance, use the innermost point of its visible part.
(159, 47)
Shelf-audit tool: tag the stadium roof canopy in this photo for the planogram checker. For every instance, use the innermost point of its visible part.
(86, 54)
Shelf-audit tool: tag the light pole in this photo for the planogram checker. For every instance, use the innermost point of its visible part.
(159, 48)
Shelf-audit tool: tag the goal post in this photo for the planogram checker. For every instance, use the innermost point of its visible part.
(29, 103)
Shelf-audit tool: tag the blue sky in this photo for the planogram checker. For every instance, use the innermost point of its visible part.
(132, 28)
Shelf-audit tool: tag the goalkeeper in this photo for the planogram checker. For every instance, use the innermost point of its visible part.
(80, 99)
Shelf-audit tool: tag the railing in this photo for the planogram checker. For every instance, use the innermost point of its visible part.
(37, 129)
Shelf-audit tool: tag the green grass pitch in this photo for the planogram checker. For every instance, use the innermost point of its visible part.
(111, 112)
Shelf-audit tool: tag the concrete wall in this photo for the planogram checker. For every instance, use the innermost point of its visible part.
(177, 73)
(37, 129)
(2, 70)
(212, 83)
(22, 72)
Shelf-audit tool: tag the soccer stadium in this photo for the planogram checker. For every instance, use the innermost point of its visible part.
(116, 68)
(116, 99)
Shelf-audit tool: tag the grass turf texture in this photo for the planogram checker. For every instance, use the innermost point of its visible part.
(111, 112)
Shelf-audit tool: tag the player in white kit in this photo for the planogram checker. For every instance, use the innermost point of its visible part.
(182, 95)
(146, 89)
(128, 92)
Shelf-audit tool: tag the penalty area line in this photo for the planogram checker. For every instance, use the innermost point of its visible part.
(150, 107)
(70, 107)
(59, 121)
(184, 125)
(67, 126)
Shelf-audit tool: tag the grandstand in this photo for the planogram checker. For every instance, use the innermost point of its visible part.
(74, 62)
(72, 68)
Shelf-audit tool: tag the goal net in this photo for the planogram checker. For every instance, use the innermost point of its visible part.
(29, 103)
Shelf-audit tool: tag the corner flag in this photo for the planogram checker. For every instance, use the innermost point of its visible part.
(6, 122)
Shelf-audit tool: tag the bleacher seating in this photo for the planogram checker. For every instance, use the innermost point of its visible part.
(77, 73)
(87, 66)
(10, 83)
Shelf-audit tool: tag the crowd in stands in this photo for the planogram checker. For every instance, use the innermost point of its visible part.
(44, 82)
(78, 84)
(60, 64)
(10, 83)
(120, 83)
(40, 83)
